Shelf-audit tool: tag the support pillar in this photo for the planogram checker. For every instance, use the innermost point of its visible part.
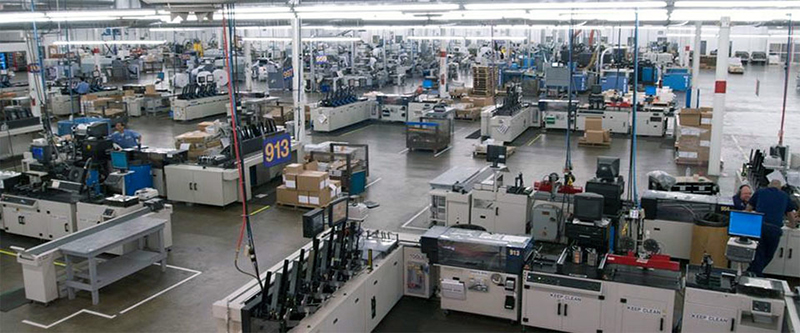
(298, 91)
(694, 93)
(720, 85)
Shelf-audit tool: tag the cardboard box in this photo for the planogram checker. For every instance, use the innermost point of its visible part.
(290, 180)
(690, 117)
(312, 166)
(193, 137)
(711, 240)
(320, 198)
(705, 119)
(481, 101)
(287, 195)
(594, 136)
(312, 180)
(606, 136)
(150, 89)
(302, 197)
(294, 169)
(128, 93)
(202, 126)
(593, 123)
(336, 183)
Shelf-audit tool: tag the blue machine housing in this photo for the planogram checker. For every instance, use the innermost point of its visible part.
(614, 81)
(678, 79)
(65, 126)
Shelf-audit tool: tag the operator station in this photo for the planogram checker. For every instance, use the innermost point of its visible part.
(355, 166)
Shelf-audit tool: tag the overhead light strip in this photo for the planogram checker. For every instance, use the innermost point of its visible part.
(109, 42)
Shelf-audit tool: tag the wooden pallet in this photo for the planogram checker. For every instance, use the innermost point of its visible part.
(510, 150)
(296, 206)
(582, 142)
(683, 161)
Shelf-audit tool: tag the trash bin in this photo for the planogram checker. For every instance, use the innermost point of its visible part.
(710, 235)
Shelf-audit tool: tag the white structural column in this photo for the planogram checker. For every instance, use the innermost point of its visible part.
(720, 87)
(298, 92)
(248, 66)
(696, 65)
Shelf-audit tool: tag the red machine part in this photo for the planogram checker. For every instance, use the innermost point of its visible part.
(546, 186)
(656, 261)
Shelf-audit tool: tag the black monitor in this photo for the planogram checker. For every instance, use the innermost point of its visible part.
(611, 192)
(337, 211)
(496, 154)
(607, 167)
(313, 223)
(588, 207)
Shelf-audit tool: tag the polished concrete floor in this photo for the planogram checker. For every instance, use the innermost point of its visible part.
(204, 237)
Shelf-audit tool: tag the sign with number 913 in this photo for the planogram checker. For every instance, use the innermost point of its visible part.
(277, 150)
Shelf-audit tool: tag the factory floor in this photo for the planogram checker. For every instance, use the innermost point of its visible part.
(204, 237)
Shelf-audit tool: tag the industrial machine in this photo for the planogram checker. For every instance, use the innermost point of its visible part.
(608, 183)
(506, 122)
(418, 108)
(201, 98)
(670, 217)
(345, 280)
(419, 278)
(393, 107)
(651, 120)
(340, 109)
(451, 194)
(479, 272)
(19, 127)
(724, 300)
(555, 113)
(616, 118)
(501, 208)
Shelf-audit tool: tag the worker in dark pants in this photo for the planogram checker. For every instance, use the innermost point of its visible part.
(742, 197)
(774, 204)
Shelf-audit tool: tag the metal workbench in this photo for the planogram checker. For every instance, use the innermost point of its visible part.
(101, 274)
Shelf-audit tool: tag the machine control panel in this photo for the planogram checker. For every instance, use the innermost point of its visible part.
(761, 306)
(563, 281)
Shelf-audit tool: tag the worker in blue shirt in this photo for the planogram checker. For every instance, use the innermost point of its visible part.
(774, 203)
(742, 197)
(125, 138)
(82, 87)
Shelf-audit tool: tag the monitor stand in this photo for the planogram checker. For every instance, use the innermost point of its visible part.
(743, 240)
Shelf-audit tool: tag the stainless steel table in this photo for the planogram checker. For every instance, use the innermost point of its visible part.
(101, 274)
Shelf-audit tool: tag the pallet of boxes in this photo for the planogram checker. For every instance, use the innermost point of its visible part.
(693, 136)
(594, 135)
(484, 81)
(305, 186)
(204, 141)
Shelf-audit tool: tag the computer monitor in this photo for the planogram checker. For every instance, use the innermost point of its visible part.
(588, 207)
(313, 223)
(607, 167)
(41, 153)
(427, 83)
(745, 224)
(119, 160)
(496, 154)
(337, 211)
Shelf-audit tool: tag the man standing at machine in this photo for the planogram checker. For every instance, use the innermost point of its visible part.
(742, 197)
(125, 138)
(774, 204)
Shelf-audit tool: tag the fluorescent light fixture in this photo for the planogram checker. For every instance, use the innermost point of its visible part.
(22, 17)
(601, 15)
(179, 29)
(259, 16)
(367, 16)
(567, 5)
(347, 8)
(101, 13)
(511, 38)
(732, 36)
(435, 38)
(735, 4)
(109, 42)
(267, 39)
(265, 27)
(260, 9)
(482, 15)
(736, 15)
(331, 39)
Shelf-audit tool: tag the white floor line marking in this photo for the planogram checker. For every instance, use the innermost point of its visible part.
(68, 317)
(415, 217)
(735, 141)
(443, 151)
(403, 151)
(373, 182)
(195, 273)
(159, 293)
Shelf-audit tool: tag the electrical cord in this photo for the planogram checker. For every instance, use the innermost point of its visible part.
(228, 27)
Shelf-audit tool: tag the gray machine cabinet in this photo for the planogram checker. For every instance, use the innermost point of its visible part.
(643, 309)
(196, 184)
(709, 311)
(562, 308)
(546, 225)
(675, 237)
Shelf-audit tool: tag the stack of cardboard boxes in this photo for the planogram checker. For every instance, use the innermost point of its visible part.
(108, 106)
(694, 136)
(304, 186)
(204, 141)
(594, 134)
